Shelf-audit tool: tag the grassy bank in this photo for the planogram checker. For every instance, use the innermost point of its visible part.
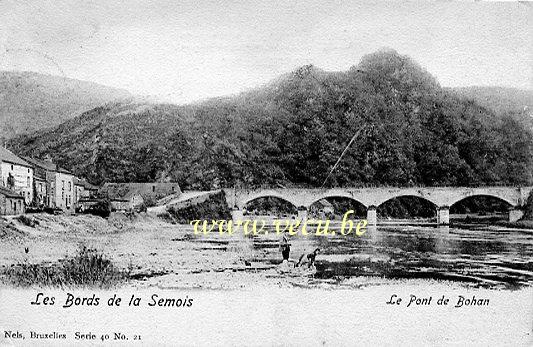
(87, 268)
(521, 224)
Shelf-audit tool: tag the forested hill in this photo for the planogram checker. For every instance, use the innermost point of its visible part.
(517, 103)
(291, 132)
(31, 101)
(501, 100)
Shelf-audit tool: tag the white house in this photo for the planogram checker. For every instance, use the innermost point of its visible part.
(64, 189)
(16, 175)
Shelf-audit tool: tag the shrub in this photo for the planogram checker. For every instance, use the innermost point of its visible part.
(167, 217)
(102, 208)
(143, 207)
(28, 221)
(88, 268)
(149, 201)
(528, 208)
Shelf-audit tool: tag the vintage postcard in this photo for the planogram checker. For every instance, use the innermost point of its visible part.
(266, 173)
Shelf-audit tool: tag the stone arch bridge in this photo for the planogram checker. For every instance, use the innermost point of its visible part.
(371, 198)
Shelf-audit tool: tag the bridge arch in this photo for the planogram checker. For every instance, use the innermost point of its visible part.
(434, 203)
(346, 202)
(245, 204)
(426, 208)
(342, 195)
(510, 202)
(490, 206)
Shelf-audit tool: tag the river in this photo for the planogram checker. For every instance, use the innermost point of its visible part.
(484, 256)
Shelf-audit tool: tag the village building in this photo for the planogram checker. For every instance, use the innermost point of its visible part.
(11, 203)
(58, 185)
(84, 192)
(132, 196)
(63, 188)
(79, 190)
(40, 191)
(16, 175)
(43, 177)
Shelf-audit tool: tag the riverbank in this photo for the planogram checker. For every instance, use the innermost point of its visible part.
(155, 253)
(521, 224)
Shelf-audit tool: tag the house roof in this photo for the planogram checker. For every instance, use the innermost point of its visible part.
(62, 170)
(8, 156)
(47, 165)
(43, 164)
(10, 193)
(84, 184)
(125, 191)
(121, 191)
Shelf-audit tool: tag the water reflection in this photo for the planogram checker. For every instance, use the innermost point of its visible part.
(486, 256)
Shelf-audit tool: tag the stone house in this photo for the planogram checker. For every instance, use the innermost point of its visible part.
(58, 185)
(11, 203)
(63, 187)
(83, 191)
(43, 177)
(85, 194)
(40, 191)
(79, 191)
(131, 196)
(16, 175)
(128, 202)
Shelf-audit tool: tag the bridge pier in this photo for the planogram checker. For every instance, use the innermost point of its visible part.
(443, 215)
(302, 214)
(237, 214)
(372, 215)
(515, 214)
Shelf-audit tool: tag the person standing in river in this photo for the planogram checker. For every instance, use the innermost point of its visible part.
(285, 246)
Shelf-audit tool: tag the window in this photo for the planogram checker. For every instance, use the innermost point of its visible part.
(11, 167)
(173, 189)
(63, 184)
(153, 189)
(69, 186)
(29, 181)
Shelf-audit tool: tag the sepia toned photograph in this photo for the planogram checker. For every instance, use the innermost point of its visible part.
(266, 173)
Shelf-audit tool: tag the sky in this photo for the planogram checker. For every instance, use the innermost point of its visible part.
(182, 51)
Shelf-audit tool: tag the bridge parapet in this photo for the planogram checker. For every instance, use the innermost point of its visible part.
(439, 196)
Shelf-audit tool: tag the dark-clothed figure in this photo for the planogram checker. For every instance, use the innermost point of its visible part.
(285, 246)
